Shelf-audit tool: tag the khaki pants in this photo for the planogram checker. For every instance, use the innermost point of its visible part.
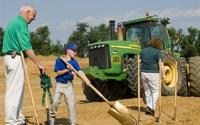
(67, 90)
(14, 77)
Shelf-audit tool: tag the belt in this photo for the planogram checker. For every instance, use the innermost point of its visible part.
(12, 53)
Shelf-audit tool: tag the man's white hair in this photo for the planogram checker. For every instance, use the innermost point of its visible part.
(26, 8)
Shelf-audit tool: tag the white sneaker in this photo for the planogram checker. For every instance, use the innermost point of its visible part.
(52, 115)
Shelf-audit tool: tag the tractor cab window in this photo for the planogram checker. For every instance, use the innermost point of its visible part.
(155, 31)
(138, 32)
(134, 33)
(144, 32)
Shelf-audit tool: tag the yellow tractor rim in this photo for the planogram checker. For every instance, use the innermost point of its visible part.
(171, 73)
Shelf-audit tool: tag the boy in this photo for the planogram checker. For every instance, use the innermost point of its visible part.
(64, 85)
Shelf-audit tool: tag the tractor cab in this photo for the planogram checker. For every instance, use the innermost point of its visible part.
(144, 29)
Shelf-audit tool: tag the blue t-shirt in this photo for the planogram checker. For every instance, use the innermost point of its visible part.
(60, 65)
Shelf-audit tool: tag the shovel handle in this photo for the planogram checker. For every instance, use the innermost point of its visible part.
(87, 81)
(175, 94)
(29, 86)
(160, 88)
(138, 62)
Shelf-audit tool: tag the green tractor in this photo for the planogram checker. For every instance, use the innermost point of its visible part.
(113, 66)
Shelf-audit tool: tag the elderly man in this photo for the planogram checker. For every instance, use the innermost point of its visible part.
(17, 38)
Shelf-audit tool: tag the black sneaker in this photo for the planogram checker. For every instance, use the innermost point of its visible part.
(149, 111)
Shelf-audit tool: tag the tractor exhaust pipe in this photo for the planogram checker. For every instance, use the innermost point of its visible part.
(112, 29)
(120, 32)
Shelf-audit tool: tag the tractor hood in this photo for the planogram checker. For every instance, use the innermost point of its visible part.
(130, 45)
(107, 58)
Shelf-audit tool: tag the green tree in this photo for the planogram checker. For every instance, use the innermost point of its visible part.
(198, 42)
(79, 37)
(176, 37)
(84, 34)
(98, 33)
(56, 49)
(172, 33)
(190, 43)
(41, 41)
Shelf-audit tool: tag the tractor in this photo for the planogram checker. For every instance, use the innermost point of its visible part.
(113, 63)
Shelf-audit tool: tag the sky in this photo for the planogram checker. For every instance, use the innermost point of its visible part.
(61, 16)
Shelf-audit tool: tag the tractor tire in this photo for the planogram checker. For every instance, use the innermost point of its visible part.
(194, 75)
(89, 93)
(114, 90)
(173, 75)
(182, 77)
(111, 90)
(132, 78)
(168, 87)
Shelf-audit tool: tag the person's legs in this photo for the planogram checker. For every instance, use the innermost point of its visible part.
(57, 98)
(14, 76)
(70, 101)
(21, 118)
(146, 88)
(154, 86)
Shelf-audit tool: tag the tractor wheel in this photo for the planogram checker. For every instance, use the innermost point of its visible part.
(132, 77)
(194, 75)
(89, 93)
(173, 76)
(182, 79)
(114, 90)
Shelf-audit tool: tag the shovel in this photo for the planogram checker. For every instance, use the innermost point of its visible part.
(138, 62)
(117, 110)
(175, 95)
(29, 87)
(160, 93)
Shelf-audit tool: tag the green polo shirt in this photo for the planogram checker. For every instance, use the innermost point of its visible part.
(150, 57)
(16, 36)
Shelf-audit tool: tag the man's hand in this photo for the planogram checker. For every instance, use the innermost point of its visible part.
(41, 68)
(31, 55)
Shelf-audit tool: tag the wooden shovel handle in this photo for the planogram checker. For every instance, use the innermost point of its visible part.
(87, 81)
(138, 72)
(29, 86)
(160, 87)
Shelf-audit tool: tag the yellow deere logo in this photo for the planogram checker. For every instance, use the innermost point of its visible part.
(116, 59)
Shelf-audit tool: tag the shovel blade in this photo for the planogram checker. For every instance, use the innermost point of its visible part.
(121, 108)
(124, 119)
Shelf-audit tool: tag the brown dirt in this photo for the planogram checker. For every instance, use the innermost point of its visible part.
(188, 108)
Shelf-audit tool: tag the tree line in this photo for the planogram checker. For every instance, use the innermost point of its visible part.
(84, 35)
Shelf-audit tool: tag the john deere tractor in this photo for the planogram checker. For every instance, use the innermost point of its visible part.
(113, 66)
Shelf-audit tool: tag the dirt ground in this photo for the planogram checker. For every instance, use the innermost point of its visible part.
(188, 108)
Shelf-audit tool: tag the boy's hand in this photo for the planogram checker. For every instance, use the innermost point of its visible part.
(69, 66)
(73, 73)
(87, 82)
